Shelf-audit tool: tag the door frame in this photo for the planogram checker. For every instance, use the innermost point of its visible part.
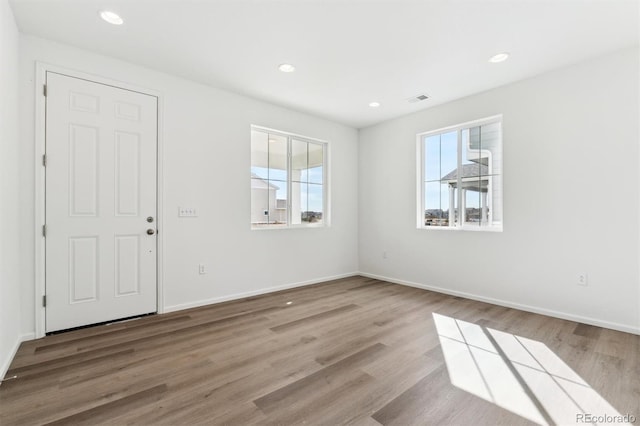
(40, 189)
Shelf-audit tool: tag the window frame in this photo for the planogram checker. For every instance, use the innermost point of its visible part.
(326, 204)
(420, 155)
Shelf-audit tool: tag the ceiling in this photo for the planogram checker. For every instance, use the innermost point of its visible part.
(348, 53)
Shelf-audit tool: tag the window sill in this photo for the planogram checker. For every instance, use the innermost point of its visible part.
(464, 228)
(278, 228)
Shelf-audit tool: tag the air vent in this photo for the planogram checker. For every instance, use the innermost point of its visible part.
(418, 98)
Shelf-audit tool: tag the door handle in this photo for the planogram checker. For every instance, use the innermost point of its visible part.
(151, 231)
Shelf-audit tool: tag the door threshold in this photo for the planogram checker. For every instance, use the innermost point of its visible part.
(110, 322)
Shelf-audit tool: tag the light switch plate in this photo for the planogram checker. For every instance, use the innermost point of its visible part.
(187, 212)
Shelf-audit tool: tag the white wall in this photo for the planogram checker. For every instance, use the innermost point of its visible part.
(571, 193)
(10, 241)
(206, 134)
(570, 201)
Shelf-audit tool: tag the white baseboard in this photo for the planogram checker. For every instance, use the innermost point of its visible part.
(536, 310)
(7, 362)
(236, 296)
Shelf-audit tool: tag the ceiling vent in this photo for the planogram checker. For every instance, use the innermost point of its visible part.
(418, 98)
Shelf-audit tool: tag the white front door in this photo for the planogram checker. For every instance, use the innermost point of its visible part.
(101, 161)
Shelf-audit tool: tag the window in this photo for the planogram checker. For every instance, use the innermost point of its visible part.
(288, 180)
(460, 176)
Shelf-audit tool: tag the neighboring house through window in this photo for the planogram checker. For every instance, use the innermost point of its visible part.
(460, 176)
(288, 180)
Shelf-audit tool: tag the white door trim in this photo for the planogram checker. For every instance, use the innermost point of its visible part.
(40, 133)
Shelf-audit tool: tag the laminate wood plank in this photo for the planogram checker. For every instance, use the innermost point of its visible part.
(585, 330)
(49, 406)
(268, 402)
(195, 395)
(28, 349)
(159, 323)
(149, 359)
(181, 331)
(140, 369)
(314, 318)
(418, 405)
(45, 379)
(328, 354)
(231, 386)
(394, 373)
(57, 364)
(107, 411)
(314, 405)
(367, 285)
(159, 338)
(160, 351)
(243, 414)
(607, 375)
(128, 335)
(352, 351)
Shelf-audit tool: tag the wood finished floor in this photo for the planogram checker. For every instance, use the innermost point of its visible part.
(351, 351)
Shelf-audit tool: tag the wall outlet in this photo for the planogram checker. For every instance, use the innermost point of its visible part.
(582, 279)
(187, 212)
(202, 269)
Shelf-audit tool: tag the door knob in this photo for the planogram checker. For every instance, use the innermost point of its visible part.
(151, 231)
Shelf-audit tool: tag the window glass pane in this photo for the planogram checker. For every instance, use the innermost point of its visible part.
(471, 176)
(473, 167)
(432, 203)
(278, 202)
(277, 157)
(315, 204)
(299, 160)
(491, 145)
(489, 141)
(448, 154)
(472, 160)
(432, 158)
(259, 201)
(316, 163)
(472, 203)
(437, 204)
(287, 180)
(259, 154)
(445, 203)
(495, 199)
(298, 201)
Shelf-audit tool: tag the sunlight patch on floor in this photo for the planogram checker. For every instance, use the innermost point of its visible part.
(518, 374)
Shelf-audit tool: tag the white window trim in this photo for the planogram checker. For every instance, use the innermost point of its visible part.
(326, 173)
(420, 175)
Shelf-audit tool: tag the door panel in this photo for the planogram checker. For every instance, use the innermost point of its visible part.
(83, 269)
(101, 185)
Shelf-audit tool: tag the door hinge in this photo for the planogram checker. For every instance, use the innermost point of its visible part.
(44, 230)
(44, 301)
(44, 160)
(44, 90)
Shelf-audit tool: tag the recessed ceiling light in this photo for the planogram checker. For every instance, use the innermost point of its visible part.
(286, 68)
(374, 104)
(500, 57)
(111, 17)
